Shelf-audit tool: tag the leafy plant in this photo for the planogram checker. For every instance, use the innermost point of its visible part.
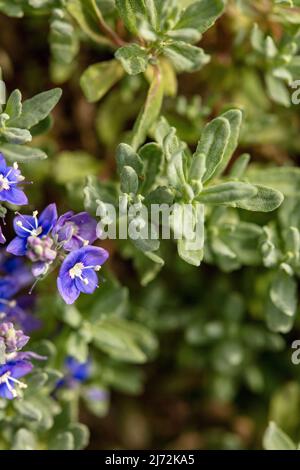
(181, 107)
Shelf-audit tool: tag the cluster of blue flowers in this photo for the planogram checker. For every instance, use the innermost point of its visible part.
(48, 241)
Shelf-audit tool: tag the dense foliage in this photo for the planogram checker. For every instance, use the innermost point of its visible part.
(149, 102)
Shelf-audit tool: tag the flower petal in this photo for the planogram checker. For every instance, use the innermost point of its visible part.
(3, 165)
(92, 280)
(20, 368)
(87, 226)
(62, 220)
(48, 218)
(67, 289)
(14, 196)
(17, 246)
(28, 224)
(5, 393)
(93, 255)
(8, 287)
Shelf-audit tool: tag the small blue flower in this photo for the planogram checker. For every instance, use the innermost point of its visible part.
(10, 386)
(75, 231)
(78, 272)
(79, 371)
(10, 178)
(31, 226)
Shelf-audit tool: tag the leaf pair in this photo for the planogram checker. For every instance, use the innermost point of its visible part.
(22, 121)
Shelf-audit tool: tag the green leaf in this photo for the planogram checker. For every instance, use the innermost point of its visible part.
(148, 265)
(201, 15)
(14, 135)
(129, 11)
(19, 153)
(191, 250)
(212, 144)
(240, 166)
(14, 104)
(63, 38)
(36, 109)
(277, 320)
(97, 79)
(84, 13)
(159, 195)
(227, 192)
(257, 39)
(80, 434)
(276, 439)
(126, 156)
(24, 440)
(124, 340)
(186, 57)
(265, 200)
(284, 179)
(283, 293)
(197, 171)
(28, 410)
(150, 111)
(234, 118)
(175, 170)
(277, 91)
(152, 157)
(42, 127)
(74, 166)
(129, 180)
(77, 347)
(12, 8)
(63, 441)
(134, 58)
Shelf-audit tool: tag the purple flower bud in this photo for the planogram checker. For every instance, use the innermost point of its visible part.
(40, 249)
(13, 339)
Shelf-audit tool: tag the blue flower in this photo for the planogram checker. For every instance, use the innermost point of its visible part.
(75, 231)
(78, 272)
(79, 371)
(10, 372)
(10, 178)
(31, 226)
(76, 372)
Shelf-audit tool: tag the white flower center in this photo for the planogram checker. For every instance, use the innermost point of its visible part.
(76, 271)
(4, 183)
(6, 379)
